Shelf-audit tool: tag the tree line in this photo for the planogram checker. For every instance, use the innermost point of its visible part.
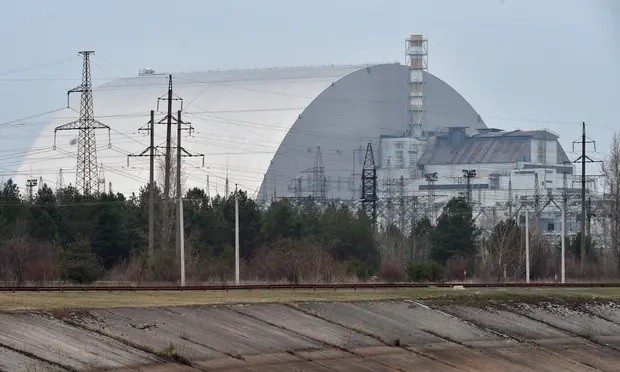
(64, 235)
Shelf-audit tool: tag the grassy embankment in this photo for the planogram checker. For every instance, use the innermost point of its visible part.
(29, 301)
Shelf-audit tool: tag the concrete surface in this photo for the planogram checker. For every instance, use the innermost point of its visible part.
(56, 342)
(318, 336)
(13, 361)
(286, 317)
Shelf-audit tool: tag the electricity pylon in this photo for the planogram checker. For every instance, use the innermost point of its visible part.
(86, 177)
(369, 185)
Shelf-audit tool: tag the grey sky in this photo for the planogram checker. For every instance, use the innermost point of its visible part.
(553, 61)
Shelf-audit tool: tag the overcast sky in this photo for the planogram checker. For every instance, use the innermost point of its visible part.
(521, 64)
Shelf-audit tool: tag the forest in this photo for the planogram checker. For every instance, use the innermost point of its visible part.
(63, 236)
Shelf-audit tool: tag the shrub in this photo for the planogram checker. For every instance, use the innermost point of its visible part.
(361, 269)
(79, 264)
(27, 260)
(392, 271)
(456, 268)
(427, 271)
(295, 261)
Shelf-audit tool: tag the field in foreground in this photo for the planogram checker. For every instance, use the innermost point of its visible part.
(29, 301)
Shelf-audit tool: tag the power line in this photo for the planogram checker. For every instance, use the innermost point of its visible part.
(36, 66)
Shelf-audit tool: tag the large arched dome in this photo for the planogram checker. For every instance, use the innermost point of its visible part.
(261, 127)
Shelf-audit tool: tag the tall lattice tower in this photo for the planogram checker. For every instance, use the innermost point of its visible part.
(86, 177)
(369, 184)
(388, 186)
(431, 178)
(60, 181)
(101, 179)
(319, 181)
(416, 50)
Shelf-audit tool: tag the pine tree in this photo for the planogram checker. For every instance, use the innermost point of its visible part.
(455, 233)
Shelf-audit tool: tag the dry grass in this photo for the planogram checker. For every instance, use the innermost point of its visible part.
(25, 301)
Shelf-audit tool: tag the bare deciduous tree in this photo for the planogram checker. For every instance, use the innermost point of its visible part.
(611, 171)
(165, 219)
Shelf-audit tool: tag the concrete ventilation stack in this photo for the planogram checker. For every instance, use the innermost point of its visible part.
(416, 50)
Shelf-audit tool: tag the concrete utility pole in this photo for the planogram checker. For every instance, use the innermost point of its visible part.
(527, 246)
(151, 154)
(152, 185)
(583, 196)
(564, 206)
(537, 196)
(563, 242)
(168, 140)
(180, 232)
(509, 203)
(236, 236)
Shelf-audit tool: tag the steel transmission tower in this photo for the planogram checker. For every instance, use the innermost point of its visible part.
(369, 184)
(319, 181)
(60, 181)
(101, 179)
(388, 184)
(402, 204)
(86, 177)
(431, 178)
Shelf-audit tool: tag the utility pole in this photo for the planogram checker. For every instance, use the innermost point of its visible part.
(509, 203)
(151, 154)
(30, 185)
(208, 191)
(563, 243)
(236, 236)
(527, 246)
(415, 211)
(86, 178)
(168, 140)
(179, 193)
(583, 159)
(588, 215)
(168, 119)
(152, 185)
(468, 174)
(180, 232)
(536, 201)
(583, 196)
